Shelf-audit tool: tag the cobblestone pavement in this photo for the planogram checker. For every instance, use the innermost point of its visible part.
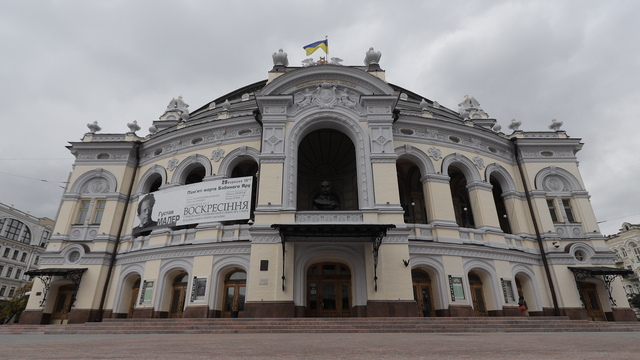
(350, 346)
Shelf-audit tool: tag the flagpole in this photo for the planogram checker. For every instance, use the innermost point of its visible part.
(326, 37)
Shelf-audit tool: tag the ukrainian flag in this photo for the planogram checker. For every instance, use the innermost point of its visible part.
(311, 48)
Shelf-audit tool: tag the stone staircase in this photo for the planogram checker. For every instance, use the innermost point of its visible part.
(326, 325)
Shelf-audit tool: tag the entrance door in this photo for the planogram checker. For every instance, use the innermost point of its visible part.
(178, 295)
(133, 298)
(422, 293)
(64, 301)
(591, 301)
(477, 295)
(235, 289)
(329, 290)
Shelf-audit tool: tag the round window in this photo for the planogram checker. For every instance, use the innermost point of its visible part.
(74, 256)
(580, 255)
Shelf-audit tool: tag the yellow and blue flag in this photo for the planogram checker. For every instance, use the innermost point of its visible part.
(311, 48)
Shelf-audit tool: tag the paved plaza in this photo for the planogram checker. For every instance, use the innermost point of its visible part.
(350, 346)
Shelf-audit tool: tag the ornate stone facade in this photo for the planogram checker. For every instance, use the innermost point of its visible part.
(430, 210)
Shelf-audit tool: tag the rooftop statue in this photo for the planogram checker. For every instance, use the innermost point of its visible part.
(470, 109)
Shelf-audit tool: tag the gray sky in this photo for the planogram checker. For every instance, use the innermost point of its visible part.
(67, 63)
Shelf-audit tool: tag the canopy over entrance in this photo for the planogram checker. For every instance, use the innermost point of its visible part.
(46, 276)
(608, 276)
(334, 233)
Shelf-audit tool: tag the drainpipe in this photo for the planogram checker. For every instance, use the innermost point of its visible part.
(112, 262)
(543, 254)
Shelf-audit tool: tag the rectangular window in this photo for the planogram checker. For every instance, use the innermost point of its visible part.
(97, 216)
(15, 255)
(6, 253)
(23, 257)
(82, 213)
(566, 203)
(1, 269)
(35, 262)
(9, 272)
(3, 289)
(46, 234)
(11, 292)
(18, 273)
(552, 210)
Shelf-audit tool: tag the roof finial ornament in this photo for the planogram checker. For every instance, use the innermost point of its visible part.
(515, 124)
(280, 60)
(372, 59)
(94, 127)
(555, 125)
(133, 127)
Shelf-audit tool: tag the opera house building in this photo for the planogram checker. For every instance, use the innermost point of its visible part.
(325, 191)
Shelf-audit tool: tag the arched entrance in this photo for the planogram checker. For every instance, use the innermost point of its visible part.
(64, 301)
(329, 290)
(133, 298)
(235, 290)
(178, 295)
(422, 293)
(589, 295)
(477, 295)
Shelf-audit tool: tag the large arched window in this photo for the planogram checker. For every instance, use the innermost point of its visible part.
(196, 175)
(16, 230)
(501, 208)
(411, 192)
(460, 198)
(327, 155)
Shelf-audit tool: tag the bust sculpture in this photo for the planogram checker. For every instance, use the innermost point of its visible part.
(326, 201)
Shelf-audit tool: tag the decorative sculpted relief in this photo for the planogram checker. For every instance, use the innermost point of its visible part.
(326, 96)
(478, 162)
(173, 163)
(217, 154)
(554, 184)
(434, 153)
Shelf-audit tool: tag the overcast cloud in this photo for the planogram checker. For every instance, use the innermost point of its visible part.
(67, 63)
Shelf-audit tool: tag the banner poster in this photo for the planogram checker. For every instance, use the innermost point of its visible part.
(216, 200)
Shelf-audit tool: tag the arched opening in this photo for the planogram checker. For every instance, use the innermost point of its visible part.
(460, 198)
(155, 183)
(500, 205)
(525, 294)
(195, 175)
(477, 295)
(423, 293)
(178, 295)
(411, 192)
(329, 290)
(133, 297)
(327, 172)
(235, 290)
